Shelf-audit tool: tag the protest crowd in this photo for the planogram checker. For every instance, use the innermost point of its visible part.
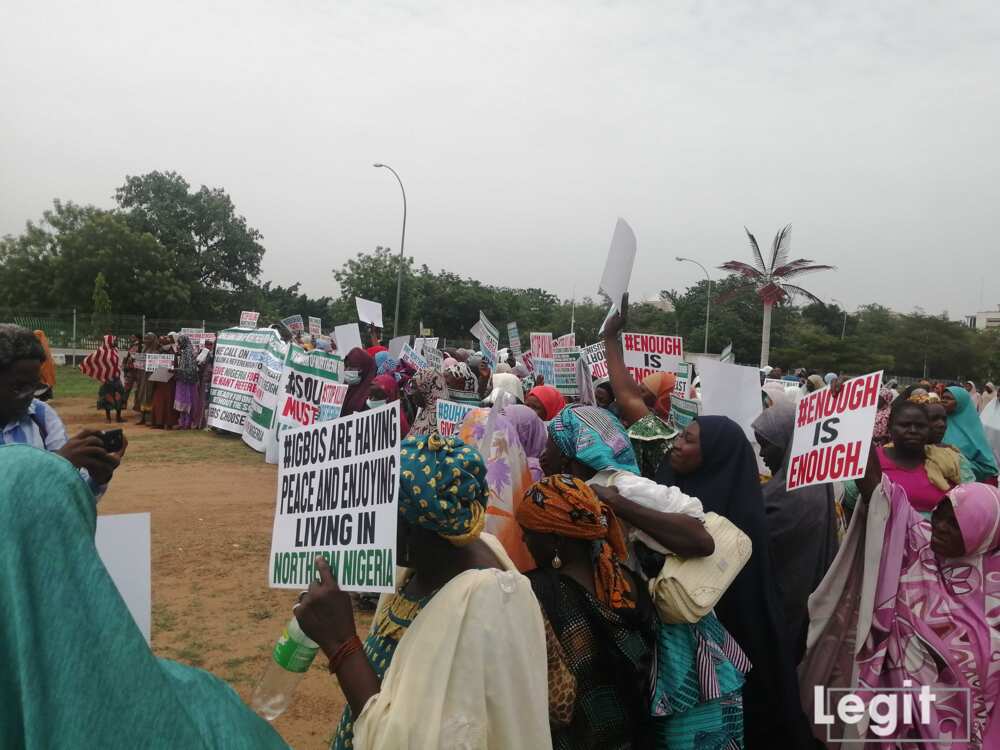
(605, 546)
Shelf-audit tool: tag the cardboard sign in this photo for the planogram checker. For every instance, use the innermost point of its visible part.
(435, 359)
(338, 496)
(315, 326)
(489, 338)
(833, 435)
(515, 339)
(331, 401)
(424, 345)
(294, 323)
(238, 356)
(595, 356)
(730, 391)
(542, 353)
(249, 318)
(369, 312)
(566, 340)
(348, 338)
(156, 361)
(259, 428)
(302, 381)
(450, 415)
(396, 346)
(411, 358)
(618, 266)
(123, 545)
(646, 353)
(683, 411)
(564, 369)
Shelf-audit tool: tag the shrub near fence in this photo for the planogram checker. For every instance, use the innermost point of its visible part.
(67, 329)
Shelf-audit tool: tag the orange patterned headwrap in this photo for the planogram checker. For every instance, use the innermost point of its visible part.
(564, 505)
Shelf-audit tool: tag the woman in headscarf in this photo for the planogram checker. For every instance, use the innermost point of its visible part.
(937, 417)
(129, 370)
(90, 680)
(385, 363)
(829, 378)
(144, 386)
(463, 384)
(546, 401)
(656, 392)
(713, 461)
(186, 374)
(507, 476)
(692, 700)
(600, 614)
(644, 409)
(424, 390)
(48, 372)
(163, 415)
(531, 433)
(970, 388)
(506, 383)
(384, 391)
(815, 382)
(104, 366)
(206, 362)
(802, 525)
(904, 586)
(776, 393)
(987, 397)
(456, 656)
(359, 373)
(965, 432)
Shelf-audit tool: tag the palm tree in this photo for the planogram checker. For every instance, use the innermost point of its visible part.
(771, 279)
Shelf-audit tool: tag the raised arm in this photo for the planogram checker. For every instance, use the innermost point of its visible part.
(628, 394)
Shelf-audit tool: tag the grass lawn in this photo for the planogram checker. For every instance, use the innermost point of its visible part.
(71, 383)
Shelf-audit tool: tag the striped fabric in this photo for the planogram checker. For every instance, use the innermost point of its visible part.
(103, 365)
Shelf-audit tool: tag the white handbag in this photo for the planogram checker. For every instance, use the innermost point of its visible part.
(687, 589)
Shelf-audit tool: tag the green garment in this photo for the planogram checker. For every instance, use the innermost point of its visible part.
(76, 671)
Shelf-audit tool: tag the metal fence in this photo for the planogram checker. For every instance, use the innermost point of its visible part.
(69, 329)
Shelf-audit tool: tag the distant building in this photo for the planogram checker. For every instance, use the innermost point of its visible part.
(983, 320)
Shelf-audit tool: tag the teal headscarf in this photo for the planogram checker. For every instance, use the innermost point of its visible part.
(443, 487)
(965, 432)
(593, 437)
(76, 670)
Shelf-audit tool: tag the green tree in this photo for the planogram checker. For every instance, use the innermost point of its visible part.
(101, 320)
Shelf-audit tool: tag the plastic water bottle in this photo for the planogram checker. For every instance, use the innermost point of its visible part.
(293, 653)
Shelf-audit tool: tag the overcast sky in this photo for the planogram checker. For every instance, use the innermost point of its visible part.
(521, 132)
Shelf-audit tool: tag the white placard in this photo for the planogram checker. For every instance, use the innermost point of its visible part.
(369, 312)
(294, 323)
(595, 356)
(450, 415)
(489, 338)
(249, 318)
(833, 435)
(515, 340)
(348, 338)
(331, 401)
(157, 361)
(315, 326)
(646, 353)
(730, 391)
(396, 346)
(338, 495)
(123, 546)
(564, 341)
(411, 358)
(618, 266)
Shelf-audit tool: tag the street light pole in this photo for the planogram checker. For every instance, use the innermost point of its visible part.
(843, 329)
(708, 298)
(402, 242)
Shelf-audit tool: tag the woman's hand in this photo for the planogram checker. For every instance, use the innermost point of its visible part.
(324, 612)
(617, 320)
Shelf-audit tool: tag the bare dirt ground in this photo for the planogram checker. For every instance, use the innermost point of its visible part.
(211, 500)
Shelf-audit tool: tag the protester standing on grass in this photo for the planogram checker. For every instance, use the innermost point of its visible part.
(26, 420)
(186, 375)
(206, 361)
(104, 366)
(129, 371)
(162, 413)
(456, 657)
(145, 386)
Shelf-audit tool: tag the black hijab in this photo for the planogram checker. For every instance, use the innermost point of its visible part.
(727, 483)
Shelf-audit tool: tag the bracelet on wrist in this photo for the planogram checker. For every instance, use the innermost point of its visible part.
(348, 647)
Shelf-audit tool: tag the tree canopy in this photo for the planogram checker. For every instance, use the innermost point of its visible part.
(169, 251)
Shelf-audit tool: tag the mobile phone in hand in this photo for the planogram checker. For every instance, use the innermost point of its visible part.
(114, 440)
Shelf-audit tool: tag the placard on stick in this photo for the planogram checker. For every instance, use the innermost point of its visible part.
(369, 312)
(646, 353)
(248, 318)
(450, 415)
(833, 434)
(338, 494)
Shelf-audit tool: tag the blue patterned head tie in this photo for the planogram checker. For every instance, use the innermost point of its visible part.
(593, 437)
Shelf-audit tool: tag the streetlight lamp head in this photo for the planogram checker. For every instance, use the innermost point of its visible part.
(679, 258)
(376, 164)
